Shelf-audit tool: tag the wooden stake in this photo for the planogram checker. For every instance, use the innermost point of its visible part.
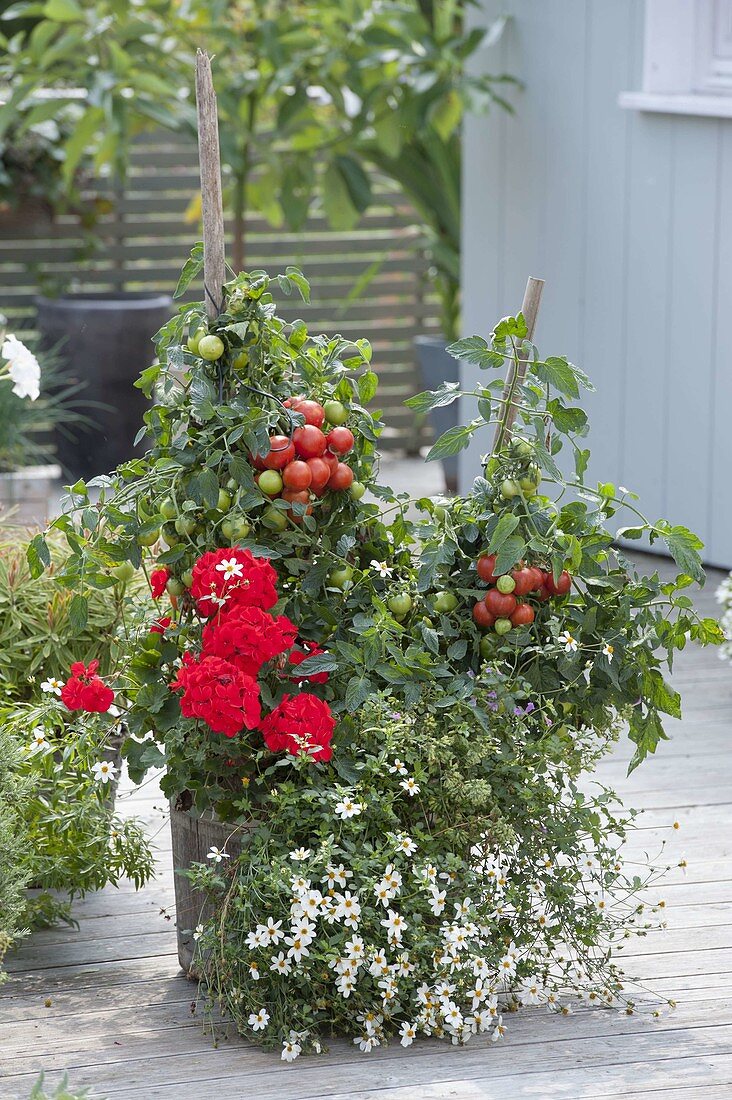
(517, 372)
(214, 263)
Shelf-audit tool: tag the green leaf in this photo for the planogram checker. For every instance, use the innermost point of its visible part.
(683, 546)
(319, 662)
(434, 399)
(38, 555)
(82, 138)
(368, 383)
(191, 268)
(511, 551)
(63, 11)
(452, 441)
(356, 181)
(660, 694)
(566, 419)
(295, 275)
(506, 526)
(558, 372)
(357, 692)
(339, 208)
(78, 613)
(474, 349)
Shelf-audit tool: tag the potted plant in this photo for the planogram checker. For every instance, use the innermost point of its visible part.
(388, 722)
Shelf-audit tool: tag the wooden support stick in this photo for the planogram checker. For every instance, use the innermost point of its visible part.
(517, 371)
(214, 264)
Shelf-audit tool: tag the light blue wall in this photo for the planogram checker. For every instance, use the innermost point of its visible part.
(628, 217)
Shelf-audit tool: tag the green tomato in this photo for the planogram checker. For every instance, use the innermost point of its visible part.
(336, 412)
(510, 489)
(185, 524)
(340, 578)
(505, 584)
(187, 578)
(270, 483)
(211, 348)
(224, 502)
(445, 602)
(175, 587)
(168, 509)
(521, 447)
(274, 519)
(235, 527)
(170, 534)
(240, 360)
(149, 539)
(502, 626)
(357, 489)
(427, 621)
(400, 605)
(195, 339)
(124, 572)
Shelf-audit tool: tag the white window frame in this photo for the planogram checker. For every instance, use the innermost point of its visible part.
(687, 59)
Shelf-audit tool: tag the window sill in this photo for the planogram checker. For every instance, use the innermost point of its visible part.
(678, 103)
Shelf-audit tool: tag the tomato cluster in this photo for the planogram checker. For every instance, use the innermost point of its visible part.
(502, 607)
(303, 466)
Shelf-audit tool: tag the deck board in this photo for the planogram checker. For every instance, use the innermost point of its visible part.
(108, 1004)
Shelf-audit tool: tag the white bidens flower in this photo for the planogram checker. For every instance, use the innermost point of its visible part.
(381, 568)
(230, 567)
(300, 854)
(52, 686)
(408, 1033)
(38, 741)
(608, 651)
(405, 844)
(23, 368)
(290, 1050)
(410, 786)
(216, 855)
(198, 932)
(569, 643)
(259, 1020)
(347, 808)
(103, 771)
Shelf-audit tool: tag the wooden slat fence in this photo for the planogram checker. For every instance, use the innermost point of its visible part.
(147, 239)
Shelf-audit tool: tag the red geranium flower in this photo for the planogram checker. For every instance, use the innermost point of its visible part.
(248, 637)
(159, 626)
(158, 580)
(219, 693)
(312, 649)
(300, 723)
(84, 690)
(233, 577)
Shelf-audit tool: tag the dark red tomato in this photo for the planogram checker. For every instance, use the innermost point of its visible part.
(331, 460)
(340, 440)
(309, 441)
(485, 565)
(297, 475)
(281, 452)
(562, 586)
(341, 478)
(538, 578)
(525, 580)
(313, 412)
(543, 594)
(501, 605)
(523, 615)
(482, 615)
(320, 473)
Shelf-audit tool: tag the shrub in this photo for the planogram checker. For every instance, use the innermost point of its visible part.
(16, 865)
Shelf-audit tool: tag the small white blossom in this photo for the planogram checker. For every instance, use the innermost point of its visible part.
(259, 1020)
(230, 567)
(499, 1031)
(381, 568)
(608, 651)
(347, 808)
(406, 845)
(280, 964)
(198, 932)
(300, 854)
(408, 1034)
(38, 741)
(254, 971)
(568, 641)
(290, 1051)
(52, 686)
(103, 771)
(23, 368)
(216, 855)
(437, 904)
(398, 767)
(410, 786)
(395, 924)
(336, 876)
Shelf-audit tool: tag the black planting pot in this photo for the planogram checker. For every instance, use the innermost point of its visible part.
(436, 367)
(104, 341)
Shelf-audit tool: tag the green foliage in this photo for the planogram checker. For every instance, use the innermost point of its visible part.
(62, 1091)
(16, 864)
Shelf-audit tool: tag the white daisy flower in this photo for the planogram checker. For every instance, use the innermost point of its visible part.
(216, 855)
(256, 938)
(297, 948)
(52, 686)
(608, 651)
(230, 567)
(408, 1033)
(38, 741)
(271, 931)
(531, 993)
(336, 876)
(410, 786)
(437, 904)
(280, 964)
(406, 845)
(366, 1043)
(300, 854)
(395, 924)
(198, 932)
(259, 1020)
(254, 971)
(347, 808)
(379, 964)
(398, 767)
(499, 1031)
(290, 1051)
(568, 641)
(103, 771)
(381, 568)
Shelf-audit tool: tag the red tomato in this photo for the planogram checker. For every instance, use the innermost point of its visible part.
(313, 412)
(486, 564)
(562, 585)
(523, 615)
(538, 578)
(482, 615)
(300, 497)
(543, 594)
(525, 579)
(309, 441)
(281, 451)
(320, 473)
(341, 478)
(297, 475)
(340, 440)
(331, 460)
(501, 605)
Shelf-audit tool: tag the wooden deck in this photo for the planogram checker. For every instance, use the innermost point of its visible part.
(108, 1004)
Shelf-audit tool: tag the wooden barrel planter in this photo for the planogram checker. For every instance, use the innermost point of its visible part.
(193, 835)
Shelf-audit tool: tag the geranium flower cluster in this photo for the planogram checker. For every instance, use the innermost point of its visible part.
(235, 593)
(85, 690)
